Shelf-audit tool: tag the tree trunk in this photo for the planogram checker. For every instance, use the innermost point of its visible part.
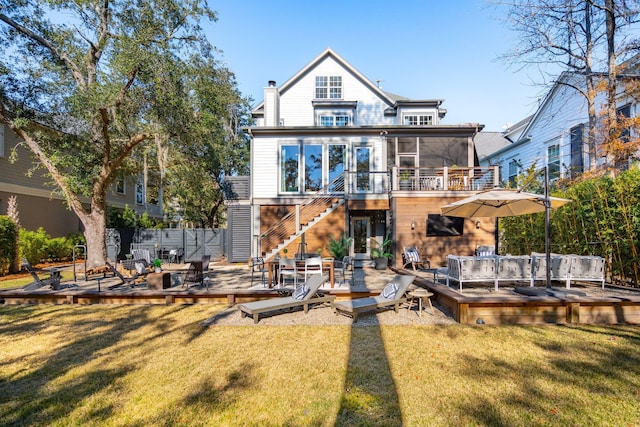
(612, 115)
(95, 235)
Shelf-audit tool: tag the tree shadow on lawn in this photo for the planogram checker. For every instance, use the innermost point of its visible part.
(370, 396)
(605, 379)
(44, 396)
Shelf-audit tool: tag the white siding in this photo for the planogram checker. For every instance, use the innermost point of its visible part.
(295, 103)
(264, 167)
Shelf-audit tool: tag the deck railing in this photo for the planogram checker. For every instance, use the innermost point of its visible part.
(444, 179)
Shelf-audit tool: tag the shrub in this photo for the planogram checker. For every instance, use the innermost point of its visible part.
(8, 243)
(340, 247)
(33, 245)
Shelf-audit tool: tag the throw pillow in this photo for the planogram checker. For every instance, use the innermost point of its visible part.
(300, 292)
(389, 291)
(139, 267)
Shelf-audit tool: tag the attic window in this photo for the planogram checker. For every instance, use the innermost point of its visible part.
(418, 120)
(328, 87)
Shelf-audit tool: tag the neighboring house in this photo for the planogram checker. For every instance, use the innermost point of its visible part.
(556, 135)
(331, 153)
(40, 206)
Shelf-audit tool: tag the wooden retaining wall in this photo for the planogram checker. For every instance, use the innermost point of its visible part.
(538, 310)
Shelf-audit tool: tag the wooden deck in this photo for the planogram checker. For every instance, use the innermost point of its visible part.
(476, 308)
(534, 310)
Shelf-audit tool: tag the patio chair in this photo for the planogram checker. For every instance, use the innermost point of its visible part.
(53, 281)
(141, 254)
(312, 265)
(287, 267)
(257, 266)
(176, 255)
(305, 295)
(139, 267)
(485, 251)
(343, 267)
(197, 273)
(392, 295)
(411, 256)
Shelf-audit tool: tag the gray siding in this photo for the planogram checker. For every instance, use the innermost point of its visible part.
(239, 233)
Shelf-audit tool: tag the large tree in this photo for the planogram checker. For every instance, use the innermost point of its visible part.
(577, 36)
(87, 84)
(217, 148)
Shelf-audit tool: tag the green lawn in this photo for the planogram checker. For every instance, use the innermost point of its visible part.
(155, 365)
(26, 279)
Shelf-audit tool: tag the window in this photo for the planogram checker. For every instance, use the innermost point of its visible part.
(337, 161)
(139, 193)
(513, 171)
(328, 87)
(120, 187)
(418, 120)
(363, 159)
(623, 114)
(312, 167)
(289, 164)
(577, 144)
(553, 161)
(334, 120)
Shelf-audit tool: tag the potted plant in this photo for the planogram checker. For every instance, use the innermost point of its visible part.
(157, 265)
(339, 248)
(381, 255)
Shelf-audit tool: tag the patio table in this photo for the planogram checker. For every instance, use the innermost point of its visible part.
(272, 269)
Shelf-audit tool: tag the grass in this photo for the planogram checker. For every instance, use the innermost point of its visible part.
(156, 365)
(19, 280)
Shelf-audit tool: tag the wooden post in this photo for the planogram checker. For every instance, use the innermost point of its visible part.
(573, 313)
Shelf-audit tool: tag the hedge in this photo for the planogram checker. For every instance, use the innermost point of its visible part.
(8, 243)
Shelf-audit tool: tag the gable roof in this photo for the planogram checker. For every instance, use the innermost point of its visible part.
(388, 98)
(487, 143)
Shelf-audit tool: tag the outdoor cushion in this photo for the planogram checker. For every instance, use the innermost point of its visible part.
(300, 292)
(389, 291)
(412, 255)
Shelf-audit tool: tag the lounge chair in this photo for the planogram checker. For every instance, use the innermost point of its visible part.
(139, 267)
(384, 300)
(411, 256)
(53, 281)
(312, 296)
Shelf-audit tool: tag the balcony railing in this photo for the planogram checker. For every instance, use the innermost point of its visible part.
(444, 179)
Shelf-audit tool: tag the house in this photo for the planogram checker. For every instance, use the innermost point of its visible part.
(333, 153)
(38, 203)
(556, 134)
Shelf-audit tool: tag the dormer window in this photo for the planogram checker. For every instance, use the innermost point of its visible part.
(331, 120)
(418, 120)
(328, 87)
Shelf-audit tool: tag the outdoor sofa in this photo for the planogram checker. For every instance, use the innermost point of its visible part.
(392, 295)
(523, 268)
(310, 296)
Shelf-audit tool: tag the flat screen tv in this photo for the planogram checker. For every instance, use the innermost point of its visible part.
(441, 225)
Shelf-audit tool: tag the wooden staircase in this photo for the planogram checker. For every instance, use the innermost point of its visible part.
(304, 217)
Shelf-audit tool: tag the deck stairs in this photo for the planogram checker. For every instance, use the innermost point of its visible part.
(306, 216)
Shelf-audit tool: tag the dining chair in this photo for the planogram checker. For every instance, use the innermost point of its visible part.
(312, 265)
(287, 267)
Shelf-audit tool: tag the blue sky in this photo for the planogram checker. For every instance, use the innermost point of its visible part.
(418, 49)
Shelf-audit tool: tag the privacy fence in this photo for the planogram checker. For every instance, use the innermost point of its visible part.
(194, 242)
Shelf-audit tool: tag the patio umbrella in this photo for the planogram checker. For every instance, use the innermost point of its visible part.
(504, 202)
(500, 203)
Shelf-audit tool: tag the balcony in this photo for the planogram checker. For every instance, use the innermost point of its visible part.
(444, 179)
